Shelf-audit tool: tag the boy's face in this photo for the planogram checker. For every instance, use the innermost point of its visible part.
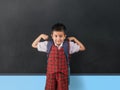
(58, 37)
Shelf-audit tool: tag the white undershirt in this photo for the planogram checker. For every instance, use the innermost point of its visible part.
(42, 47)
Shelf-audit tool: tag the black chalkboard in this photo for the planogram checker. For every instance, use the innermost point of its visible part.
(95, 23)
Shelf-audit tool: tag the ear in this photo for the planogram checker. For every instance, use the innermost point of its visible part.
(51, 35)
(65, 35)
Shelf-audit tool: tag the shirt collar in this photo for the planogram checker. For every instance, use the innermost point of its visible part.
(59, 45)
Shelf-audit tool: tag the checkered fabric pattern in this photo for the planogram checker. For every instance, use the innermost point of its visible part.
(57, 81)
(57, 70)
(57, 61)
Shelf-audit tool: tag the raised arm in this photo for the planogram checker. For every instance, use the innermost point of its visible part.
(41, 36)
(82, 47)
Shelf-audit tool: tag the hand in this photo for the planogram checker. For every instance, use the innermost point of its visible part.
(71, 38)
(44, 36)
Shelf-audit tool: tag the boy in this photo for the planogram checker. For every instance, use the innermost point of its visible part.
(57, 67)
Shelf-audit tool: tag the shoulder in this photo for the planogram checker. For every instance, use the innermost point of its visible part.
(50, 42)
(72, 43)
(74, 47)
(42, 44)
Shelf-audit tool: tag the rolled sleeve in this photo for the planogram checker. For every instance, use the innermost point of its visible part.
(42, 46)
(74, 47)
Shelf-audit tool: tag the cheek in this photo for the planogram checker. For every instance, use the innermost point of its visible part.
(54, 38)
(62, 38)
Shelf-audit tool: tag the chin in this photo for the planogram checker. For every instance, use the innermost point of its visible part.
(58, 44)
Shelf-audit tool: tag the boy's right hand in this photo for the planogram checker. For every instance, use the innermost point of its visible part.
(41, 36)
(44, 36)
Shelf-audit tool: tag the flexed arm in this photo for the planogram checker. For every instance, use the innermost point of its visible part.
(82, 47)
(41, 36)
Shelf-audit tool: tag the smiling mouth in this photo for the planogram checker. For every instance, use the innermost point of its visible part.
(58, 43)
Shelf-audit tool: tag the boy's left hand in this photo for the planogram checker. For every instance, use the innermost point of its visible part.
(71, 38)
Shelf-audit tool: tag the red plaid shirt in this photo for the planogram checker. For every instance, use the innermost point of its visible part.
(57, 61)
